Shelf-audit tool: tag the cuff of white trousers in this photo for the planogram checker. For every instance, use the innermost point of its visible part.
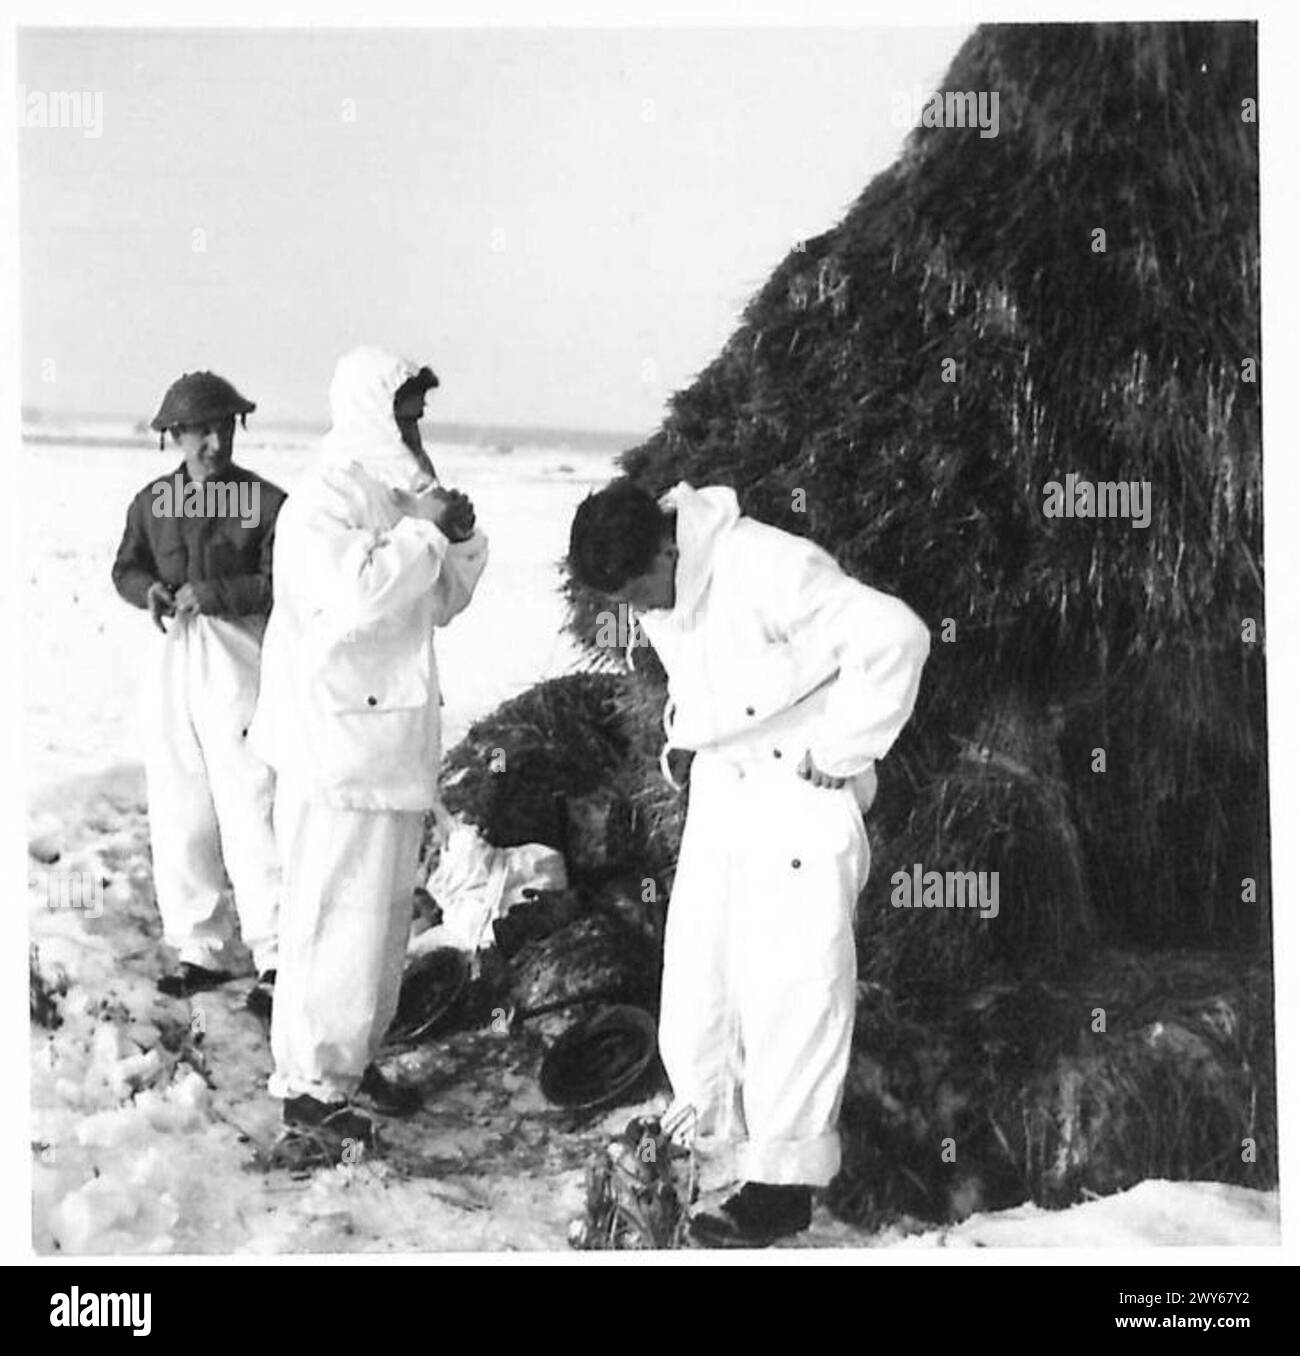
(322, 1089)
(790, 1162)
(211, 957)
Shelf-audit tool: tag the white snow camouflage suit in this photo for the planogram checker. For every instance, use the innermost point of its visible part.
(349, 718)
(771, 651)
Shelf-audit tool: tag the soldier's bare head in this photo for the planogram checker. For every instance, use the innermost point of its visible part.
(624, 545)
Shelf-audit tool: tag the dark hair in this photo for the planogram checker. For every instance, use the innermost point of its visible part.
(616, 535)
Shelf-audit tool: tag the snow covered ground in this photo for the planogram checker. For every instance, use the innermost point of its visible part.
(145, 1111)
(85, 645)
(136, 1125)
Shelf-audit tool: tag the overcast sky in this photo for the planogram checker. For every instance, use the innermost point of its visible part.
(563, 223)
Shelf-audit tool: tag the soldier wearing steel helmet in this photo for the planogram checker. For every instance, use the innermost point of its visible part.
(196, 555)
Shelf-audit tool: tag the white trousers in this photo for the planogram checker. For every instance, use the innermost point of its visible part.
(349, 877)
(760, 970)
(215, 867)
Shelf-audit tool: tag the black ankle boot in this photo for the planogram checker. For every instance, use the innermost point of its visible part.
(309, 1113)
(756, 1215)
(321, 1135)
(190, 979)
(385, 1097)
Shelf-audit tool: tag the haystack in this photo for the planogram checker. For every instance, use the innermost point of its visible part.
(1075, 299)
(908, 384)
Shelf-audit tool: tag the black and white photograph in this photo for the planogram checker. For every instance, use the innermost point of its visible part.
(648, 634)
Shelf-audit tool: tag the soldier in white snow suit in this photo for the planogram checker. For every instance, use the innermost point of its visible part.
(197, 550)
(371, 555)
(789, 680)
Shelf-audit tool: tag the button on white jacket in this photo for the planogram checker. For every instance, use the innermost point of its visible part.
(349, 703)
(769, 639)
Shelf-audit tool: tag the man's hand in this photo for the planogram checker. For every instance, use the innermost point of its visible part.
(462, 518)
(450, 511)
(160, 603)
(193, 599)
(810, 772)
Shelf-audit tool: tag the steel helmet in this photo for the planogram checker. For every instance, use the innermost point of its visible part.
(601, 1059)
(195, 398)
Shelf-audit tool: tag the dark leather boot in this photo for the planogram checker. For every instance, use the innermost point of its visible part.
(756, 1215)
(190, 979)
(387, 1098)
(321, 1135)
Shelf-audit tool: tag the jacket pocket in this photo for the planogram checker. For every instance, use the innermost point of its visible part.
(736, 682)
(171, 561)
(375, 674)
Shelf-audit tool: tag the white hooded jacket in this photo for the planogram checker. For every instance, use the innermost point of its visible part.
(770, 646)
(349, 704)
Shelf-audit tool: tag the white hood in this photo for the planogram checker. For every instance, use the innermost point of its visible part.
(361, 411)
(702, 517)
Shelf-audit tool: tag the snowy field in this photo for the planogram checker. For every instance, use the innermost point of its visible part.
(142, 1132)
(85, 644)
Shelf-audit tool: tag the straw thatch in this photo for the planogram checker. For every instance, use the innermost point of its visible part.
(1144, 1066)
(829, 413)
(569, 763)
